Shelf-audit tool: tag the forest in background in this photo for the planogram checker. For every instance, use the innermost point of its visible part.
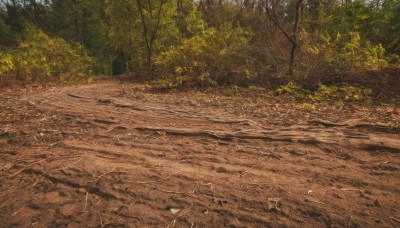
(287, 43)
(192, 113)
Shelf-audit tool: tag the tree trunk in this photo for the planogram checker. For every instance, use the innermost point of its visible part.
(18, 75)
(78, 21)
(293, 38)
(150, 36)
(314, 16)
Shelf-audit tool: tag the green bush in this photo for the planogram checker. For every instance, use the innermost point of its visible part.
(6, 63)
(42, 58)
(291, 89)
(327, 94)
(345, 52)
(210, 58)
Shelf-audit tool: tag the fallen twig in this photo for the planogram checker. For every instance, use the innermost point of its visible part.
(208, 184)
(35, 183)
(25, 167)
(394, 218)
(183, 212)
(102, 175)
(150, 182)
(101, 219)
(68, 166)
(5, 202)
(107, 157)
(350, 189)
(77, 96)
(173, 192)
(111, 217)
(262, 159)
(247, 170)
(283, 189)
(351, 218)
(7, 191)
(313, 201)
(86, 200)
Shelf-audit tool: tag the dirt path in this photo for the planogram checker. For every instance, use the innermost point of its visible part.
(116, 155)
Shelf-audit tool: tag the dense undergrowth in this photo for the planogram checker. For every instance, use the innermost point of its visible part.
(346, 52)
(336, 95)
(42, 58)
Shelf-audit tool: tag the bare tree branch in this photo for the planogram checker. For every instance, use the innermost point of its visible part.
(150, 38)
(292, 38)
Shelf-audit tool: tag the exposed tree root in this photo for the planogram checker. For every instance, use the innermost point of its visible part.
(295, 134)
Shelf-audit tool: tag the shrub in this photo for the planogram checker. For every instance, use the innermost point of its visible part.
(304, 106)
(211, 58)
(6, 64)
(327, 94)
(291, 89)
(324, 58)
(42, 58)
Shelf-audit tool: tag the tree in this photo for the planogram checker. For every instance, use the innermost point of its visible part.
(83, 22)
(123, 35)
(151, 23)
(188, 19)
(141, 29)
(291, 38)
(313, 7)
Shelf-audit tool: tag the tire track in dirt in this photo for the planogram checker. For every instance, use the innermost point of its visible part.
(118, 174)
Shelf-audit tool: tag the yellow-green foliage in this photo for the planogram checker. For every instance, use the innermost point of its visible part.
(209, 58)
(6, 63)
(232, 91)
(42, 58)
(327, 94)
(348, 52)
(345, 93)
(291, 89)
(304, 106)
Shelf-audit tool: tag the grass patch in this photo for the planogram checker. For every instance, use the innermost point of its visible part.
(335, 95)
(11, 138)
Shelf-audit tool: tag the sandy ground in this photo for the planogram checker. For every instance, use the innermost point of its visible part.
(119, 155)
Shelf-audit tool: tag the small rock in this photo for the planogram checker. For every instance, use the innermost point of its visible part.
(194, 103)
(378, 221)
(5, 166)
(377, 203)
(221, 170)
(364, 213)
(338, 196)
(82, 190)
(115, 187)
(24, 132)
(174, 211)
(161, 133)
(104, 101)
(33, 206)
(30, 103)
